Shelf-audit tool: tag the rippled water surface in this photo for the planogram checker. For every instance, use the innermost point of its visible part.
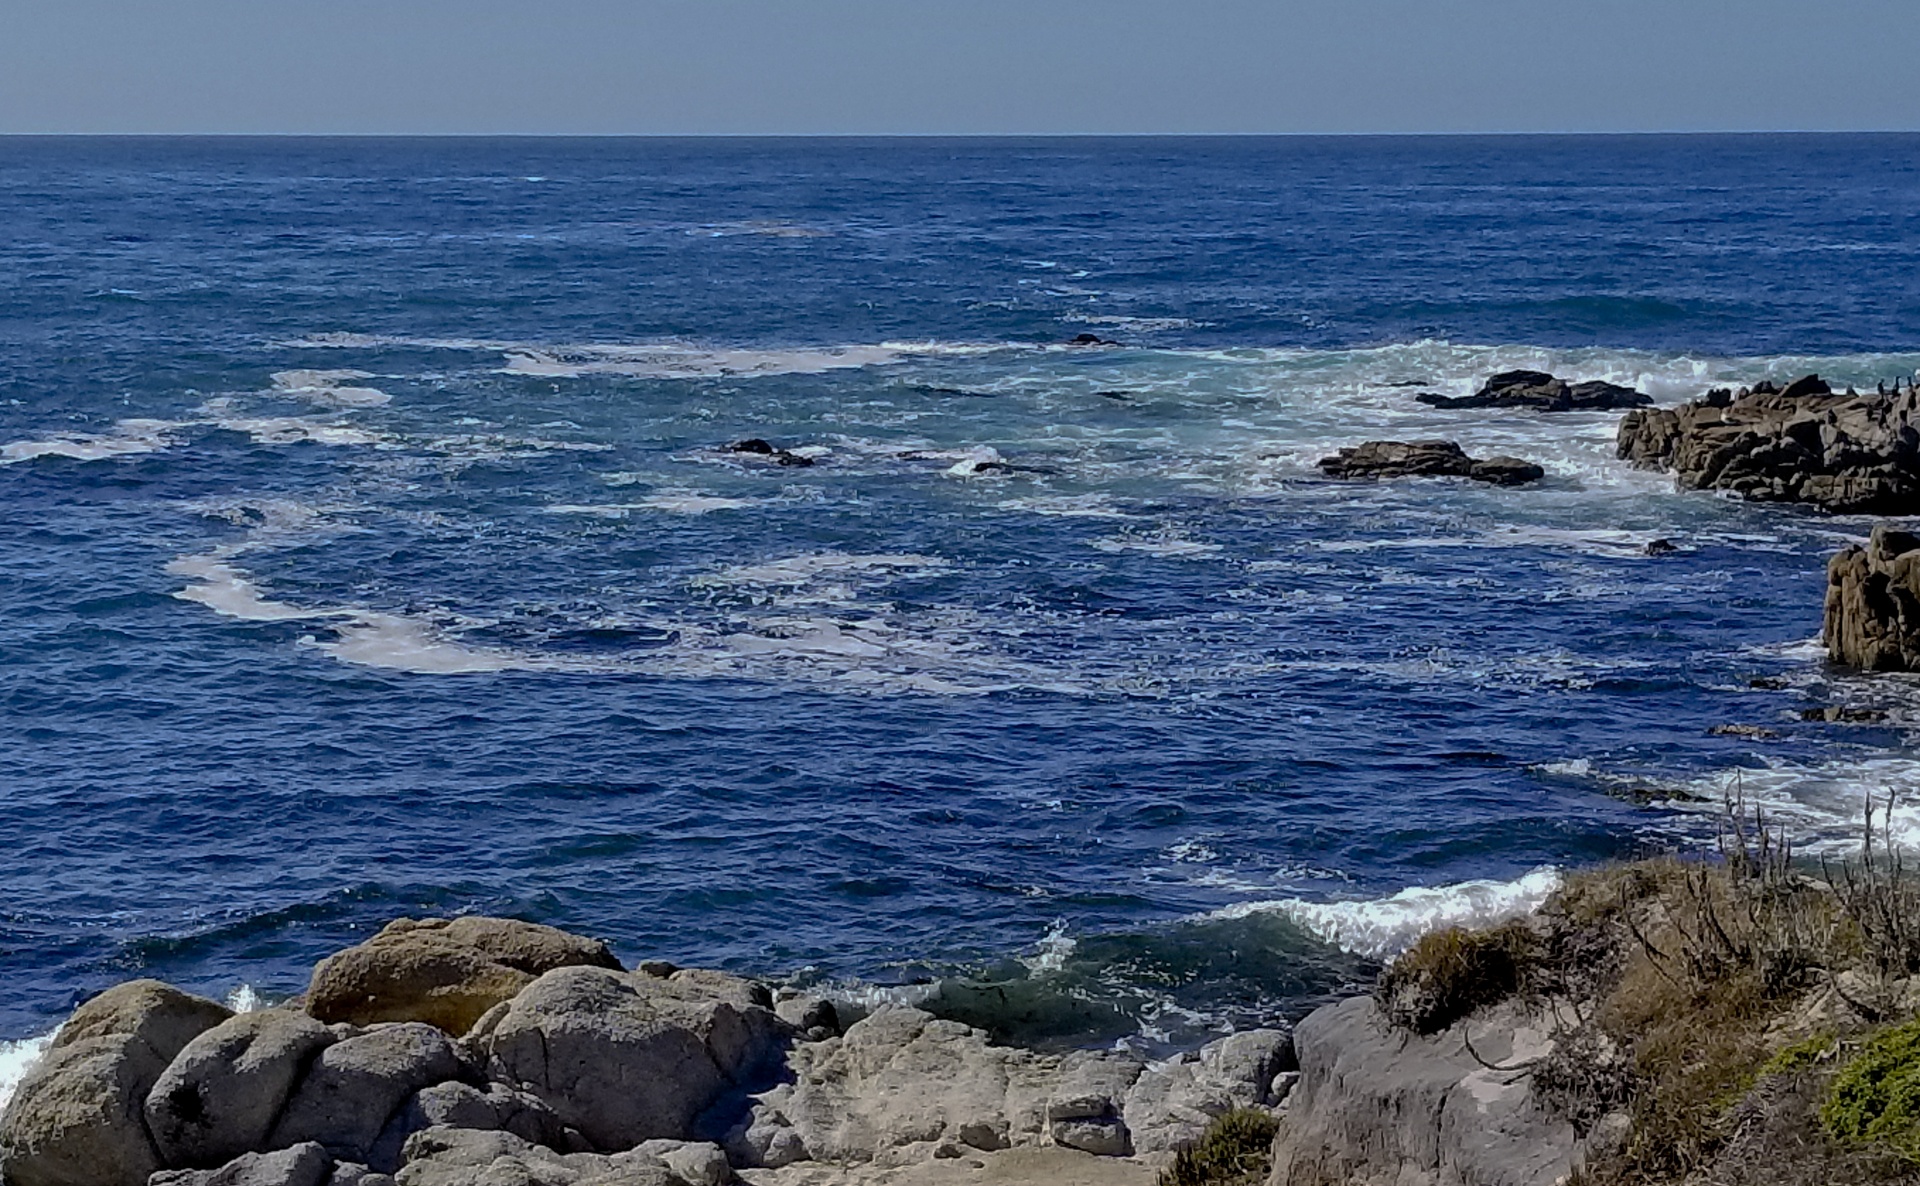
(370, 548)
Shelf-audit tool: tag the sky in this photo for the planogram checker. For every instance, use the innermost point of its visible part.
(847, 67)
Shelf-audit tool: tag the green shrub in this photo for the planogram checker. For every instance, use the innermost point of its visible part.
(1876, 1096)
(1451, 974)
(1236, 1150)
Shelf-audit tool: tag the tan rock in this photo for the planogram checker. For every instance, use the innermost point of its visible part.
(76, 1119)
(445, 972)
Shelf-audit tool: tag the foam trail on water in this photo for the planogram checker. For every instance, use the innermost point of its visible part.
(128, 438)
(1383, 927)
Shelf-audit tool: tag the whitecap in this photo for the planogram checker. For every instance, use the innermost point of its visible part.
(1383, 927)
(16, 1059)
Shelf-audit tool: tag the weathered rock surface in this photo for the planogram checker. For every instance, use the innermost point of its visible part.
(445, 972)
(354, 1087)
(902, 1082)
(462, 1157)
(1380, 1107)
(1541, 392)
(220, 1096)
(76, 1118)
(1872, 616)
(495, 1108)
(1426, 459)
(626, 1058)
(301, 1165)
(1804, 443)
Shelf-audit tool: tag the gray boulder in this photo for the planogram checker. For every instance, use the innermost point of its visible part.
(301, 1165)
(1085, 1109)
(1171, 1103)
(631, 1058)
(1805, 443)
(898, 1077)
(466, 1157)
(76, 1118)
(497, 1107)
(221, 1095)
(1872, 613)
(355, 1086)
(1374, 1106)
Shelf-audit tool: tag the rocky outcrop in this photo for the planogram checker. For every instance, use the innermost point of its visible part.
(222, 1094)
(1804, 443)
(1872, 616)
(76, 1118)
(626, 1058)
(1426, 459)
(1540, 392)
(902, 1083)
(583, 1075)
(1376, 1106)
(444, 972)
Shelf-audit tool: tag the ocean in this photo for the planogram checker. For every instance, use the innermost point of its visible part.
(372, 547)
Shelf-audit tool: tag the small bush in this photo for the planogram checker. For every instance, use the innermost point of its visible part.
(1236, 1150)
(1876, 1096)
(1451, 974)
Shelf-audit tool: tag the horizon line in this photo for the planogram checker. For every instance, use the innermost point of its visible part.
(1216, 135)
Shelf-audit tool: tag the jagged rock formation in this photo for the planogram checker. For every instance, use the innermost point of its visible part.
(1426, 459)
(1803, 443)
(1540, 392)
(1872, 616)
(574, 1073)
(1376, 1106)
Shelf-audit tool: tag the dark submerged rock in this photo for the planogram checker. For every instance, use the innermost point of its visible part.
(1847, 453)
(1542, 392)
(1401, 459)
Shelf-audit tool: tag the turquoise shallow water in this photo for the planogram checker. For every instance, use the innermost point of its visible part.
(371, 549)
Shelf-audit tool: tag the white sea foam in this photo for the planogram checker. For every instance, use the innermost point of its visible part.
(16, 1059)
(1382, 927)
(800, 570)
(1164, 544)
(129, 438)
(1071, 506)
(329, 389)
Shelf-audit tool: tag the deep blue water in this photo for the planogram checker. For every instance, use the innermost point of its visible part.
(466, 611)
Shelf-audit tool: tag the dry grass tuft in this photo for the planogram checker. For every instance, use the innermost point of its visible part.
(1453, 973)
(1236, 1150)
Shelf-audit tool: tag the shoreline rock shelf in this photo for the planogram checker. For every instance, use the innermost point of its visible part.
(1844, 452)
(1427, 459)
(446, 1052)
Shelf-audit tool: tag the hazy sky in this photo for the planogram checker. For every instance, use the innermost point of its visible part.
(959, 66)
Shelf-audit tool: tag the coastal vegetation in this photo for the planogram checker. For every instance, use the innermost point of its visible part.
(1753, 1018)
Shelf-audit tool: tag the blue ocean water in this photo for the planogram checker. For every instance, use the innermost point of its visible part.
(370, 548)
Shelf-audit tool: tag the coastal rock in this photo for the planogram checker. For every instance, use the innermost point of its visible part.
(300, 1165)
(898, 1077)
(464, 1157)
(445, 972)
(1172, 1103)
(76, 1118)
(220, 1096)
(1402, 459)
(1541, 392)
(1872, 618)
(1378, 1107)
(496, 1108)
(1085, 1109)
(630, 1058)
(759, 448)
(1841, 452)
(355, 1086)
